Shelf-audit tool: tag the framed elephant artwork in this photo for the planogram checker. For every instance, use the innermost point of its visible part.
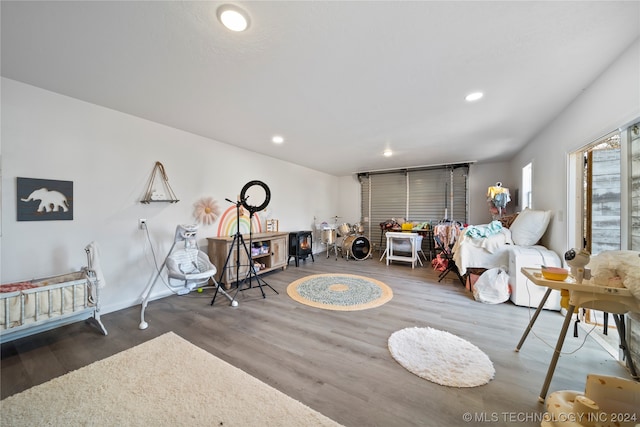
(44, 199)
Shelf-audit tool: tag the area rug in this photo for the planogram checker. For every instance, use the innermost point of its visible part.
(441, 357)
(344, 292)
(165, 381)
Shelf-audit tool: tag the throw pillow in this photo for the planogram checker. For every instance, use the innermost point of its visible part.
(529, 226)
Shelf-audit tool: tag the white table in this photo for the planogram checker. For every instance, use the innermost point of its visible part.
(616, 301)
(413, 254)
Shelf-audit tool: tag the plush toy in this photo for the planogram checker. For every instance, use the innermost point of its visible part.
(617, 269)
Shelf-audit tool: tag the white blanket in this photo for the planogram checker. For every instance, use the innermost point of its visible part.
(491, 243)
(486, 252)
(94, 263)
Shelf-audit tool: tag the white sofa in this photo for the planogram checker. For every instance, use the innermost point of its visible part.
(511, 249)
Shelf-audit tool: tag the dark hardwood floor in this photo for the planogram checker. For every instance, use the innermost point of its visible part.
(334, 361)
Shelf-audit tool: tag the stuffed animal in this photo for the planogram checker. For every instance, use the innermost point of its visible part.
(617, 269)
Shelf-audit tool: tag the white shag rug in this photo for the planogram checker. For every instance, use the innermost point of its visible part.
(166, 381)
(441, 357)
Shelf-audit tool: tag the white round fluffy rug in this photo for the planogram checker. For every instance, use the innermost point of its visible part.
(440, 357)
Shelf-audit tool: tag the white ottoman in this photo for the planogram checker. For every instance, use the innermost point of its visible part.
(523, 291)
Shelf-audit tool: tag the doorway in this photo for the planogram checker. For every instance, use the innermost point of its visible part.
(604, 179)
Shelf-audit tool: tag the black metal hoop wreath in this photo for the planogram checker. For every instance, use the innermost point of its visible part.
(254, 209)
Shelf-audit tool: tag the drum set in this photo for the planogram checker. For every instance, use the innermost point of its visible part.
(346, 238)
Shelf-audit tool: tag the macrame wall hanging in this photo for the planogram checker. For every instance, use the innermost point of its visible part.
(159, 195)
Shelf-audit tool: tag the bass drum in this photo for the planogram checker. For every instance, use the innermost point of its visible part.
(357, 247)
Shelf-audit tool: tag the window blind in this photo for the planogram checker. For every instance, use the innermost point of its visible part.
(419, 195)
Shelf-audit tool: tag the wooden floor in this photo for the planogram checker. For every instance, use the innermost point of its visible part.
(338, 362)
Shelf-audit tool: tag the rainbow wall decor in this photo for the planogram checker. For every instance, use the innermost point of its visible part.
(228, 225)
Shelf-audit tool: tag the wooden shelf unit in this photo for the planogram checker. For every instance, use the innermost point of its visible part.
(273, 256)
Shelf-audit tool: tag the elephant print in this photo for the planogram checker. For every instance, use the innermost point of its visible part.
(50, 201)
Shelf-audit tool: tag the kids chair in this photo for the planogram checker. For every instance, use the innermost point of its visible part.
(446, 254)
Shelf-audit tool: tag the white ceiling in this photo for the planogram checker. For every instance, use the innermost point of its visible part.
(341, 81)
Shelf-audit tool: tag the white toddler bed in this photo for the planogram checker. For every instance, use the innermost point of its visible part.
(34, 306)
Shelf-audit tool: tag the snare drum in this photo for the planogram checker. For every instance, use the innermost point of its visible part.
(344, 230)
(328, 236)
(357, 247)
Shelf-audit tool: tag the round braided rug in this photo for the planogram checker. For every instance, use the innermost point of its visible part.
(343, 292)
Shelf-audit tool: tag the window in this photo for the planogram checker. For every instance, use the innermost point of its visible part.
(600, 194)
(602, 214)
(634, 184)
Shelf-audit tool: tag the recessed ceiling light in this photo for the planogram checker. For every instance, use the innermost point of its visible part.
(277, 139)
(474, 96)
(233, 17)
(388, 152)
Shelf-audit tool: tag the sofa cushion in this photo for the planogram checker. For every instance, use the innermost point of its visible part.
(529, 226)
(507, 220)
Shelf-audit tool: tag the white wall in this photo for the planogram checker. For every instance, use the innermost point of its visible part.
(349, 199)
(109, 156)
(481, 177)
(611, 101)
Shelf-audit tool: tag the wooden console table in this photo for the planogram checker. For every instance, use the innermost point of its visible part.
(616, 301)
(273, 253)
